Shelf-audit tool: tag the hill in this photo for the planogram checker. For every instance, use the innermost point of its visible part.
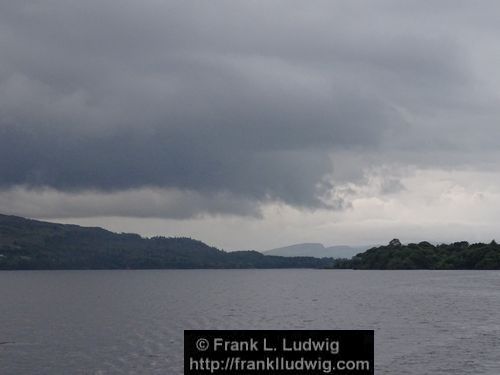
(317, 250)
(32, 244)
(424, 255)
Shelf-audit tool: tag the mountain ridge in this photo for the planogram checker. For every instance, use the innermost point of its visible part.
(33, 244)
(317, 250)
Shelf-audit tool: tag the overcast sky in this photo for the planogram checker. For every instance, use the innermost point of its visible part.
(254, 124)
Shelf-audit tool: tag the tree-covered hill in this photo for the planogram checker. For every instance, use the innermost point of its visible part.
(424, 255)
(32, 244)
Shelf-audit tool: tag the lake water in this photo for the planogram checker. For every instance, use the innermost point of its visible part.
(132, 322)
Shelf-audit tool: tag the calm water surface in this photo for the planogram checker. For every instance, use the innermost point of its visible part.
(132, 322)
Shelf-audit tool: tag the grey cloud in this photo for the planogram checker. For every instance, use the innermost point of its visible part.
(391, 186)
(246, 100)
(138, 203)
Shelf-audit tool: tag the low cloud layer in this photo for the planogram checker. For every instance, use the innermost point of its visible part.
(46, 203)
(178, 109)
(431, 205)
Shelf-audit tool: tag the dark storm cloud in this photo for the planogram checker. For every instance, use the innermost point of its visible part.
(245, 99)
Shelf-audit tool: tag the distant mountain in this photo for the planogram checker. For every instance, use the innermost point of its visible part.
(317, 250)
(32, 244)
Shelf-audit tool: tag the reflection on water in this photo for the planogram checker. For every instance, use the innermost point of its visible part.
(132, 322)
